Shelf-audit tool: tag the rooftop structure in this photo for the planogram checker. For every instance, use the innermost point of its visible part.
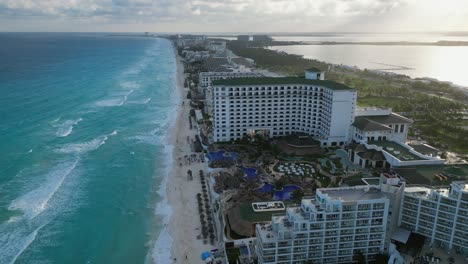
(282, 80)
(275, 107)
(396, 150)
(314, 74)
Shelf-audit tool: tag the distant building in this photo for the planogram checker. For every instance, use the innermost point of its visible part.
(189, 40)
(275, 107)
(243, 38)
(261, 38)
(334, 226)
(217, 46)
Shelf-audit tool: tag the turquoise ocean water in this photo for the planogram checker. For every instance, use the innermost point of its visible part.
(83, 126)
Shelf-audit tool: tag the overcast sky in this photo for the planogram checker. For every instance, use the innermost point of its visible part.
(234, 15)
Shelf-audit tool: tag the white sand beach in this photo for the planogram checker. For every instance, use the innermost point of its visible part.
(184, 224)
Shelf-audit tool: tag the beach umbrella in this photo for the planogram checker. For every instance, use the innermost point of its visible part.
(205, 255)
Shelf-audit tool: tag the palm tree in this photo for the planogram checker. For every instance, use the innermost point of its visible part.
(297, 195)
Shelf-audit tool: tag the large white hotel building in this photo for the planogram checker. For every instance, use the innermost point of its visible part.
(276, 107)
(441, 215)
(334, 226)
(340, 222)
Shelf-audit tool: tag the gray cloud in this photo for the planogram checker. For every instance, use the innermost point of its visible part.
(212, 15)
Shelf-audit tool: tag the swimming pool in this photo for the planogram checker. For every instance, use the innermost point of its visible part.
(221, 155)
(285, 193)
(250, 173)
(266, 187)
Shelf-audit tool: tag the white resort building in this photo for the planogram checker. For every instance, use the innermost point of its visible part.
(206, 79)
(375, 124)
(274, 107)
(340, 222)
(334, 226)
(379, 138)
(439, 214)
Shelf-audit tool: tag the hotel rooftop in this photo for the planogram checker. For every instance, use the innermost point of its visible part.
(395, 149)
(353, 194)
(284, 80)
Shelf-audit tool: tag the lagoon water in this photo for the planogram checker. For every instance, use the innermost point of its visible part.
(440, 62)
(84, 120)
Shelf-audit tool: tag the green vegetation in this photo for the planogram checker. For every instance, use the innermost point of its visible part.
(324, 180)
(290, 64)
(297, 195)
(437, 108)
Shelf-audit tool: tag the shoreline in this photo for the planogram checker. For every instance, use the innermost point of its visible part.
(179, 235)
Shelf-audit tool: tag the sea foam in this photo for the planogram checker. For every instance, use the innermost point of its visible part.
(161, 252)
(66, 128)
(26, 242)
(84, 147)
(36, 201)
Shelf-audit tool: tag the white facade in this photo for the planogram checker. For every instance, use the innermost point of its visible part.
(375, 124)
(333, 227)
(277, 107)
(441, 215)
(338, 222)
(205, 80)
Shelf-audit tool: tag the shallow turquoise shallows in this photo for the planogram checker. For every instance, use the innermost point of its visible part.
(83, 123)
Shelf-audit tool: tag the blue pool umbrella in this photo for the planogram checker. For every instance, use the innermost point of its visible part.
(205, 255)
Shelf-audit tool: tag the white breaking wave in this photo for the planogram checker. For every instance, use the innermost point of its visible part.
(115, 101)
(66, 127)
(26, 242)
(141, 102)
(80, 148)
(111, 102)
(130, 85)
(161, 252)
(36, 201)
